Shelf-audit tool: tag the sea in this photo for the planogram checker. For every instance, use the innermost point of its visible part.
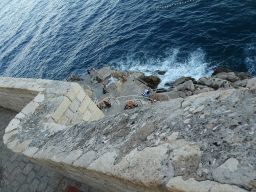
(51, 39)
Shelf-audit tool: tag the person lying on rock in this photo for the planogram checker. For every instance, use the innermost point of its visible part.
(106, 102)
(100, 105)
(130, 105)
(94, 70)
(124, 79)
(89, 72)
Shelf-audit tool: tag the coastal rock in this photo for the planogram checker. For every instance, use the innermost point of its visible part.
(105, 73)
(230, 173)
(152, 81)
(221, 70)
(73, 78)
(242, 83)
(96, 79)
(183, 79)
(160, 72)
(252, 85)
(117, 74)
(227, 76)
(241, 75)
(214, 83)
(188, 85)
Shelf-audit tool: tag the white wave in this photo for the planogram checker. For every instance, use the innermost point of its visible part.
(194, 66)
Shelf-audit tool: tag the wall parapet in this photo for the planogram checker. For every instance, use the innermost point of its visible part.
(158, 147)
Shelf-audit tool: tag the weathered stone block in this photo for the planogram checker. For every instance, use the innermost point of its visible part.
(12, 125)
(84, 104)
(39, 98)
(87, 115)
(81, 95)
(30, 108)
(61, 109)
(92, 107)
(96, 115)
(73, 91)
(74, 106)
(69, 114)
(78, 118)
(63, 120)
(8, 135)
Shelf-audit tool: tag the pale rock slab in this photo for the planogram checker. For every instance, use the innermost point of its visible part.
(85, 159)
(63, 120)
(8, 135)
(84, 104)
(30, 108)
(72, 156)
(87, 115)
(22, 146)
(230, 164)
(61, 109)
(39, 98)
(191, 185)
(81, 95)
(73, 91)
(30, 151)
(20, 116)
(173, 136)
(12, 125)
(74, 105)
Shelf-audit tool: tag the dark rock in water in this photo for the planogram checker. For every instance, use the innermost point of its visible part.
(241, 75)
(161, 90)
(160, 72)
(182, 80)
(220, 70)
(230, 76)
(73, 78)
(168, 84)
(152, 81)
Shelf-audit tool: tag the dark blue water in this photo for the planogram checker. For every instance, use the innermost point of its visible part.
(51, 39)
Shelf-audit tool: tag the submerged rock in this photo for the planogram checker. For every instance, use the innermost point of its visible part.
(152, 81)
(160, 72)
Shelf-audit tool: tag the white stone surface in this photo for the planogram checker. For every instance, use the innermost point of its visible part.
(84, 104)
(72, 156)
(21, 147)
(20, 116)
(30, 151)
(73, 91)
(230, 164)
(81, 95)
(7, 136)
(74, 105)
(61, 109)
(30, 108)
(191, 185)
(39, 98)
(12, 125)
(85, 159)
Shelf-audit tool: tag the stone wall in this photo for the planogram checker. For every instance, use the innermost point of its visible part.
(205, 142)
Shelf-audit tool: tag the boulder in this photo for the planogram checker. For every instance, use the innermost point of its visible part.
(152, 81)
(231, 76)
(105, 73)
(73, 78)
(206, 89)
(117, 74)
(221, 70)
(188, 85)
(183, 79)
(160, 72)
(242, 83)
(252, 85)
(96, 79)
(241, 75)
(214, 83)
(168, 84)
(231, 174)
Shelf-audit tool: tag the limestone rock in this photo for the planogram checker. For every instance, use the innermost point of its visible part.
(152, 81)
(188, 85)
(105, 73)
(242, 83)
(117, 74)
(241, 75)
(229, 173)
(182, 80)
(214, 83)
(227, 76)
(74, 78)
